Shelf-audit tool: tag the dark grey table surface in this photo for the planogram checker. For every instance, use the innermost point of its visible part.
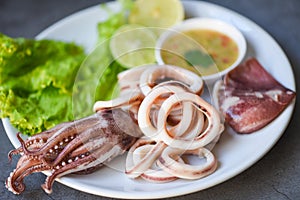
(275, 176)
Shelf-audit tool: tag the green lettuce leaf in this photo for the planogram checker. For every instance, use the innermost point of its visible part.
(98, 73)
(36, 82)
(107, 28)
(46, 82)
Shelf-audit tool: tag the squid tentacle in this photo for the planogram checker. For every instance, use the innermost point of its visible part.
(74, 144)
(63, 133)
(87, 144)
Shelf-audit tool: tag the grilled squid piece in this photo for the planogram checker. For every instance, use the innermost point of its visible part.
(154, 173)
(130, 79)
(132, 98)
(250, 97)
(186, 171)
(81, 147)
(135, 169)
(211, 131)
(157, 74)
(136, 83)
(175, 121)
(144, 111)
(148, 76)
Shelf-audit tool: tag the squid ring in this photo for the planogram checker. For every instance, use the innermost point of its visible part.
(157, 73)
(153, 175)
(187, 116)
(129, 98)
(212, 130)
(130, 79)
(144, 111)
(195, 126)
(182, 170)
(133, 169)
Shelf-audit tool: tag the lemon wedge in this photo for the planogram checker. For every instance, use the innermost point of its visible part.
(156, 13)
(133, 45)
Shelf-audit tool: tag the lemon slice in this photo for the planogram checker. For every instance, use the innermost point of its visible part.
(133, 45)
(156, 13)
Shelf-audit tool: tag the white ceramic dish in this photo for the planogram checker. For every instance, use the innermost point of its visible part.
(235, 152)
(204, 23)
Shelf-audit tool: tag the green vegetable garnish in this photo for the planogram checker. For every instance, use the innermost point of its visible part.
(98, 73)
(198, 58)
(107, 28)
(36, 82)
(45, 82)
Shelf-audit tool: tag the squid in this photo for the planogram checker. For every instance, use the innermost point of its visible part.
(250, 98)
(80, 147)
(158, 117)
(174, 119)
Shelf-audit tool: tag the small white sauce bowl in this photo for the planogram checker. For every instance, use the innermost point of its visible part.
(206, 24)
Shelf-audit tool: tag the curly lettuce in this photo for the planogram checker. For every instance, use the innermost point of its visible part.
(36, 82)
(46, 82)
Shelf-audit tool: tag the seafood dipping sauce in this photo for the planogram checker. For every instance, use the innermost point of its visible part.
(203, 51)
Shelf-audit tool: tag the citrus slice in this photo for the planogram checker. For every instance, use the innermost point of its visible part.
(133, 45)
(156, 13)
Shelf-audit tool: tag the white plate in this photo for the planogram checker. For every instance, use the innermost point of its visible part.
(234, 152)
